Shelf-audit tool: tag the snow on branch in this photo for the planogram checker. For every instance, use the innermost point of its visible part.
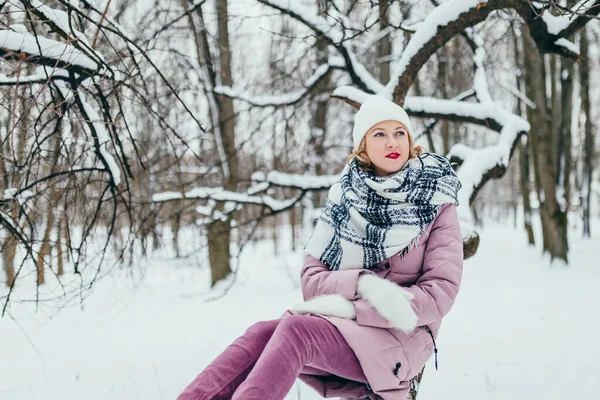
(97, 126)
(296, 181)
(551, 33)
(347, 60)
(58, 18)
(442, 24)
(274, 205)
(454, 16)
(277, 100)
(42, 75)
(23, 46)
(567, 21)
(328, 32)
(263, 182)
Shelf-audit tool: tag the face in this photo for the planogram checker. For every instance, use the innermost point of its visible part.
(387, 147)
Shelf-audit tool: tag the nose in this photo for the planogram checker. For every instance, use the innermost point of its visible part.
(391, 143)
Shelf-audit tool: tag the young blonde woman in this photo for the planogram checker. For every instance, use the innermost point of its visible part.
(384, 266)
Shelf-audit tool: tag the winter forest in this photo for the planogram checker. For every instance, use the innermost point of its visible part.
(162, 164)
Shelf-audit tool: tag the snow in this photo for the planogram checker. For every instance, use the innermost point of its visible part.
(567, 45)
(480, 81)
(558, 23)
(515, 91)
(308, 15)
(351, 93)
(335, 35)
(97, 122)
(479, 161)
(103, 138)
(27, 43)
(361, 71)
(274, 100)
(60, 18)
(520, 329)
(263, 182)
(439, 17)
(218, 194)
(41, 75)
(306, 182)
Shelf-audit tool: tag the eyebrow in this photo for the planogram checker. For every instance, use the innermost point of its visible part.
(381, 129)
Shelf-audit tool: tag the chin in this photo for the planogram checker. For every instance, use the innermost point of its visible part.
(390, 170)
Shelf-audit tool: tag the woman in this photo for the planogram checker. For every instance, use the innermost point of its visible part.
(384, 266)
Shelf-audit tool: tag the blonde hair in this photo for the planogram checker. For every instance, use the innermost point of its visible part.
(365, 162)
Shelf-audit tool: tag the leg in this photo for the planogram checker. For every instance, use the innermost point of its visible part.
(299, 341)
(220, 379)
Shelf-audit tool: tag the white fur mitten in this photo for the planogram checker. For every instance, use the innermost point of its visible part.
(333, 305)
(390, 300)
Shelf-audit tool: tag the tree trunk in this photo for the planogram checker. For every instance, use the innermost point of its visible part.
(385, 44)
(293, 223)
(565, 161)
(219, 232)
(9, 247)
(59, 250)
(222, 116)
(524, 164)
(535, 90)
(46, 248)
(553, 218)
(176, 227)
(51, 213)
(588, 142)
(443, 57)
(525, 185)
(9, 251)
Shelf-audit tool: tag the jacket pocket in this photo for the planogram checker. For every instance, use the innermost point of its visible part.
(419, 349)
(387, 369)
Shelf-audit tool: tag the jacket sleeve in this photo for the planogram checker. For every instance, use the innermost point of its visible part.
(436, 289)
(317, 279)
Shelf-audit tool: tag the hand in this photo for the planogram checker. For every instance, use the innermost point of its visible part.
(333, 305)
(390, 300)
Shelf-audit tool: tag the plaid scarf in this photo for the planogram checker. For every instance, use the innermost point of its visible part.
(367, 219)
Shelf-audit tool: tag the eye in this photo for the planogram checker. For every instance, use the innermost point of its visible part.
(378, 134)
(400, 133)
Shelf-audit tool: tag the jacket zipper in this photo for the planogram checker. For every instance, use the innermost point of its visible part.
(435, 350)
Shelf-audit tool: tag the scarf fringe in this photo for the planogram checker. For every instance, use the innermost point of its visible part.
(413, 243)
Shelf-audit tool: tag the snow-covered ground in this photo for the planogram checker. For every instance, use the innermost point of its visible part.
(520, 329)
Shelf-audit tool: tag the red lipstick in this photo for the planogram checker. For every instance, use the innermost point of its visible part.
(393, 156)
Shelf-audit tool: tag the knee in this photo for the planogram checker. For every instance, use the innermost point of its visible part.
(294, 325)
(261, 330)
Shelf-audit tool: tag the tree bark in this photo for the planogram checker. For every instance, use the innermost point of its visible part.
(443, 56)
(535, 89)
(588, 142)
(553, 218)
(525, 185)
(222, 115)
(219, 232)
(385, 44)
(524, 156)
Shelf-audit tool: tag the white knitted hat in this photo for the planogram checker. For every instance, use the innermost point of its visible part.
(373, 111)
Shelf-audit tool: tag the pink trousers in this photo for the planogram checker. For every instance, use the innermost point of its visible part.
(264, 363)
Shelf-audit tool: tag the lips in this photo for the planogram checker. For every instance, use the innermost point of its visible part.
(393, 156)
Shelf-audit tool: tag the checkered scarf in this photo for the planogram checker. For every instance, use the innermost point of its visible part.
(367, 219)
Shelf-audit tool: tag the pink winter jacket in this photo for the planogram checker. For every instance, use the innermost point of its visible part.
(432, 271)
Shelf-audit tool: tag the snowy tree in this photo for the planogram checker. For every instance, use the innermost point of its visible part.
(72, 80)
